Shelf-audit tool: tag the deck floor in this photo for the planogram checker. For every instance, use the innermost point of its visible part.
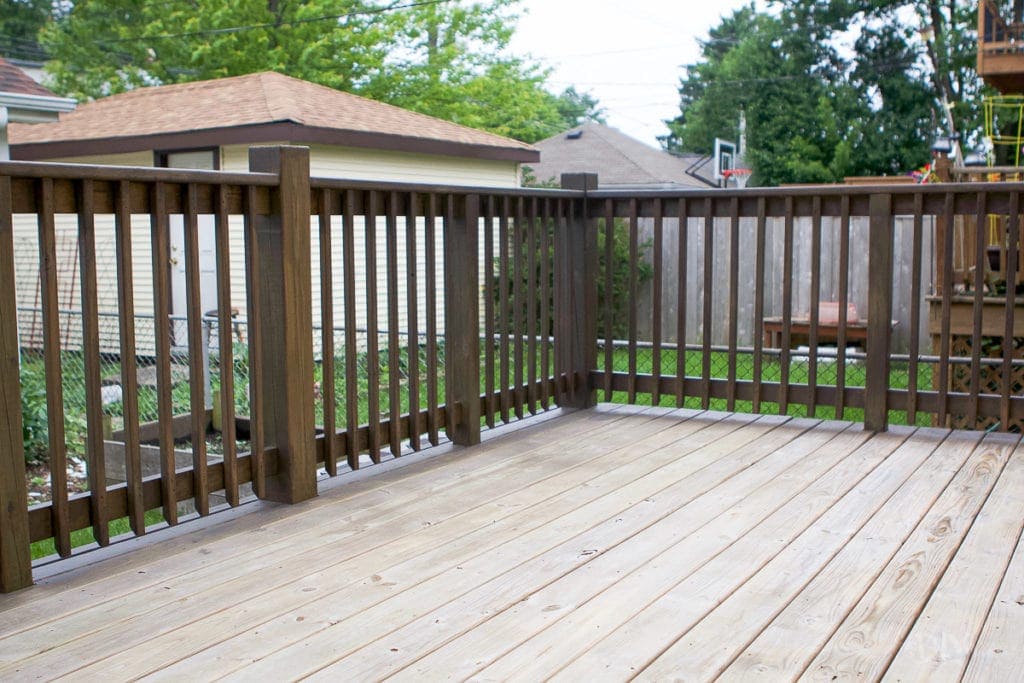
(611, 543)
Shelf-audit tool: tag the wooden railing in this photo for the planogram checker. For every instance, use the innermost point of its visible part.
(441, 311)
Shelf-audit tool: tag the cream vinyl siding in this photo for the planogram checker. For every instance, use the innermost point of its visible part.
(398, 167)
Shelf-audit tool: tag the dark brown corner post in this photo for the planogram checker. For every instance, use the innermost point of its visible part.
(15, 557)
(880, 273)
(576, 295)
(286, 321)
(462, 319)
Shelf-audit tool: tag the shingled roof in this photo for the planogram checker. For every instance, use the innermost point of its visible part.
(262, 107)
(14, 80)
(617, 159)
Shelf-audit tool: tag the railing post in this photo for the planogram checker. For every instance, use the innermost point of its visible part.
(462, 319)
(286, 323)
(880, 295)
(576, 295)
(15, 556)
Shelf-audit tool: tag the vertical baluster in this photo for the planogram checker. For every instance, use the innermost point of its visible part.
(491, 400)
(658, 268)
(430, 258)
(759, 287)
(634, 294)
(394, 349)
(52, 363)
(844, 298)
(160, 231)
(1009, 350)
(609, 299)
(15, 553)
(532, 306)
(225, 341)
(519, 311)
(505, 310)
(681, 294)
(734, 298)
(787, 308)
(328, 393)
(412, 305)
(129, 374)
(815, 296)
(915, 308)
(945, 340)
(372, 344)
(545, 305)
(196, 355)
(352, 398)
(94, 446)
(709, 291)
(255, 333)
(980, 262)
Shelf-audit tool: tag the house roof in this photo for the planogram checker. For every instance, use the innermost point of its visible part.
(14, 80)
(617, 159)
(262, 107)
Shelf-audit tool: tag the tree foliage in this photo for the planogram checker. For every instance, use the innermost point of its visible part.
(445, 59)
(833, 88)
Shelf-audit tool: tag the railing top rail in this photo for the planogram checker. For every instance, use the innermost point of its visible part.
(814, 191)
(144, 174)
(428, 188)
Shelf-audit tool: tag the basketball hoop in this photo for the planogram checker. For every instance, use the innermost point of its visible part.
(738, 175)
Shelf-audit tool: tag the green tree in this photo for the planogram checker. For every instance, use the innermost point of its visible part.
(445, 59)
(20, 22)
(858, 89)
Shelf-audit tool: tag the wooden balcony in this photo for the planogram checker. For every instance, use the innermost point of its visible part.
(607, 543)
(1000, 50)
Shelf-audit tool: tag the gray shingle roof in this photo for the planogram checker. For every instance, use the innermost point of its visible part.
(619, 160)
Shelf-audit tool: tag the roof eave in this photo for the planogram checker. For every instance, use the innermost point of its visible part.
(280, 131)
(34, 105)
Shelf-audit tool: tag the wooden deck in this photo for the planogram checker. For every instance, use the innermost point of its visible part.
(607, 544)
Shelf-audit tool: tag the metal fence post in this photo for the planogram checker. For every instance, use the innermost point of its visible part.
(15, 556)
(286, 322)
(462, 319)
(880, 295)
(576, 295)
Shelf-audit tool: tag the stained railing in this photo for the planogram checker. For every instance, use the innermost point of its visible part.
(783, 300)
(357, 322)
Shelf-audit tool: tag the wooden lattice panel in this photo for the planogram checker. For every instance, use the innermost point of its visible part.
(991, 378)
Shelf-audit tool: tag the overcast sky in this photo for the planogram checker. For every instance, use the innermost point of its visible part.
(627, 54)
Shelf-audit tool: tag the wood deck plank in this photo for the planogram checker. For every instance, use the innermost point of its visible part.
(665, 621)
(416, 558)
(761, 482)
(998, 654)
(276, 523)
(939, 645)
(786, 647)
(541, 555)
(747, 611)
(231, 584)
(378, 501)
(602, 586)
(605, 543)
(868, 638)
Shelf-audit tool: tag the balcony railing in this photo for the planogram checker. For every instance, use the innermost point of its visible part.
(441, 311)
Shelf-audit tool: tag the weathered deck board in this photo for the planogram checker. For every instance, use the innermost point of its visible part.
(608, 543)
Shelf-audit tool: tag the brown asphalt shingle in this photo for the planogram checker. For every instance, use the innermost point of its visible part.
(14, 80)
(244, 101)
